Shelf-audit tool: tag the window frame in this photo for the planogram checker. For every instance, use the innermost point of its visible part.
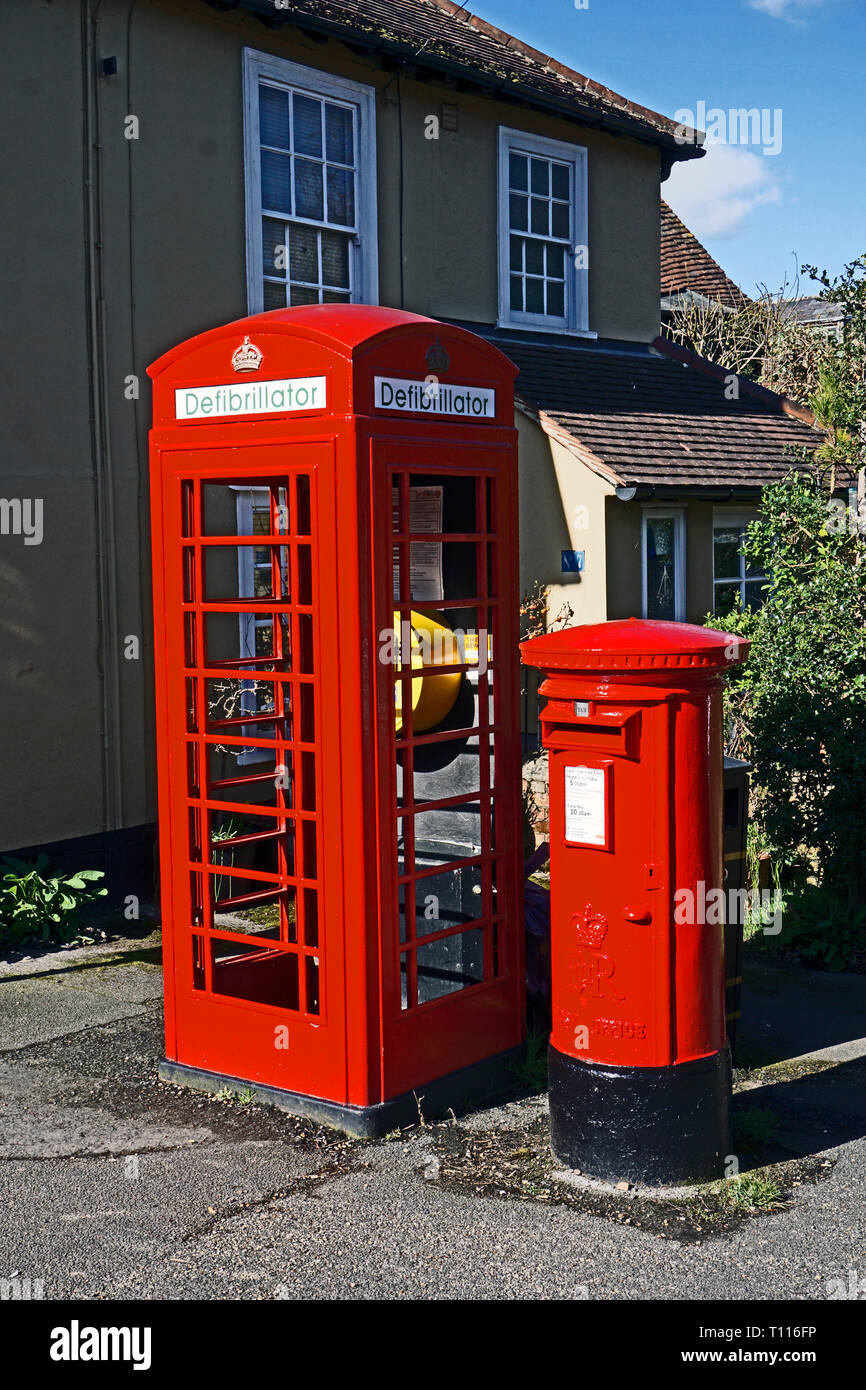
(739, 517)
(678, 514)
(363, 243)
(577, 281)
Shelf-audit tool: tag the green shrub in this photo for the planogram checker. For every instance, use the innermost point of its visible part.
(35, 906)
(824, 931)
(798, 706)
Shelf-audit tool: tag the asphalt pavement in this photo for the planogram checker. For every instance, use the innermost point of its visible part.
(114, 1185)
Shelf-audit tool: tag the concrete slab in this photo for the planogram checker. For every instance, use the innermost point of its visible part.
(33, 1010)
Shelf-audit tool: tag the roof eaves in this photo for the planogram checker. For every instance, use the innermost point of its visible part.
(681, 134)
(557, 432)
(621, 117)
(784, 404)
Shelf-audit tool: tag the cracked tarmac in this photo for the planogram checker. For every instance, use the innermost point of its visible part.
(116, 1186)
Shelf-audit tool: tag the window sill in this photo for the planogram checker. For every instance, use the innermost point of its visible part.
(506, 324)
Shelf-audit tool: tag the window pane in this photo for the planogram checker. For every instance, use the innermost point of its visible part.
(540, 216)
(726, 552)
(755, 593)
(518, 172)
(335, 259)
(304, 254)
(541, 177)
(273, 247)
(519, 213)
(561, 181)
(302, 295)
(516, 253)
(309, 198)
(341, 196)
(339, 134)
(276, 182)
(275, 295)
(335, 296)
(307, 125)
(274, 117)
(535, 296)
(660, 568)
(561, 220)
(517, 293)
(556, 262)
(752, 571)
(556, 298)
(451, 964)
(725, 597)
(535, 257)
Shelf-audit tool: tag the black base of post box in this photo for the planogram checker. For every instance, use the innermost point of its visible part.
(473, 1086)
(659, 1125)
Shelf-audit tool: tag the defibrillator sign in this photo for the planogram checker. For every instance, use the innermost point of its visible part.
(433, 397)
(251, 398)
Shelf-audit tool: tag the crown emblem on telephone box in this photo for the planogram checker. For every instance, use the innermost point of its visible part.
(247, 357)
(437, 358)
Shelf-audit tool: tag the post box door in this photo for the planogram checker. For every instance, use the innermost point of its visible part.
(256, 949)
(611, 938)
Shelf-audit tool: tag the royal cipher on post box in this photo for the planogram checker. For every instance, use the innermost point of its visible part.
(639, 1069)
(335, 559)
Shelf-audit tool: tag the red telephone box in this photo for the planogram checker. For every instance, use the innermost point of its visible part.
(334, 557)
(639, 1070)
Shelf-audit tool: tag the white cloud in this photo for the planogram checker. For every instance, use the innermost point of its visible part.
(791, 10)
(715, 195)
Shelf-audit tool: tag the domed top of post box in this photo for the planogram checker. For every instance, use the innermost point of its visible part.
(634, 644)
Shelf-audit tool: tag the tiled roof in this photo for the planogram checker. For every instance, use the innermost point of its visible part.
(641, 415)
(687, 265)
(444, 36)
(812, 309)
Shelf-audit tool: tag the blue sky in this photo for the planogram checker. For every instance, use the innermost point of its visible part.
(759, 214)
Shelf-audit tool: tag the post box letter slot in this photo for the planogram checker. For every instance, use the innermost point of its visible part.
(615, 731)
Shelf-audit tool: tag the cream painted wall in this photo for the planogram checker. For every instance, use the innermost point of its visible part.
(562, 507)
(699, 561)
(623, 520)
(624, 558)
(451, 227)
(449, 223)
(173, 264)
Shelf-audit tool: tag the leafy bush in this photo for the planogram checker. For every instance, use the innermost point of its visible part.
(824, 931)
(35, 906)
(799, 703)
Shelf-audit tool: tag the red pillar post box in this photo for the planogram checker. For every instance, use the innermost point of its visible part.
(639, 1071)
(334, 520)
